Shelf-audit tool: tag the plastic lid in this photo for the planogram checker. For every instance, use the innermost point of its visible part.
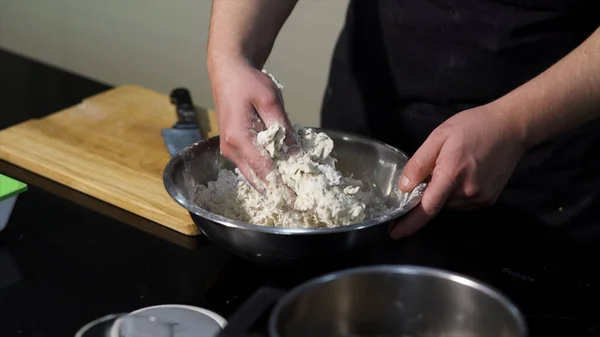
(10, 187)
(182, 320)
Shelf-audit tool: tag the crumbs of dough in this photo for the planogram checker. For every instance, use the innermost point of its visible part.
(324, 198)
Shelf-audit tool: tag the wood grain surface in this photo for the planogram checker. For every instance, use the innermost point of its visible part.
(109, 147)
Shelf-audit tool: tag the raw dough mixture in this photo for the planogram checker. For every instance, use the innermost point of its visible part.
(324, 198)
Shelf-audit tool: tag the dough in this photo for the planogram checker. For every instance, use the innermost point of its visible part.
(323, 197)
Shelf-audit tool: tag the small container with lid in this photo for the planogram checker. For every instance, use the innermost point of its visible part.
(171, 320)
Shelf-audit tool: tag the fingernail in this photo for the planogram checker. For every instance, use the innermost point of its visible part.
(404, 181)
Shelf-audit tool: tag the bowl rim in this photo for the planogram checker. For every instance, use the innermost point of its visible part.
(199, 211)
(403, 269)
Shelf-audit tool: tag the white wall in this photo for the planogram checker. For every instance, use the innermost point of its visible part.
(161, 44)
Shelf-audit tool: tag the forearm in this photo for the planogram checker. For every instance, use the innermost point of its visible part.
(561, 98)
(246, 28)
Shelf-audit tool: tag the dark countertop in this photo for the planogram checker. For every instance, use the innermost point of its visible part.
(63, 265)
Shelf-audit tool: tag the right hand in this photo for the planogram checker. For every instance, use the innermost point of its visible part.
(247, 101)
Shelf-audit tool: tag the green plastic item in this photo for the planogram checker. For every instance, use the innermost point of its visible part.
(10, 187)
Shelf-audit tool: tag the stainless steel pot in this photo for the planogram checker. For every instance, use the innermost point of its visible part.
(375, 163)
(383, 301)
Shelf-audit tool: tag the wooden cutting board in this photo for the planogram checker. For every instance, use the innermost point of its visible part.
(109, 147)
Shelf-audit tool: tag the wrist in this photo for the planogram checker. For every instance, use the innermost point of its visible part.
(514, 121)
(217, 56)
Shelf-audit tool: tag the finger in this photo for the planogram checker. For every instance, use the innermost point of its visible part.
(291, 140)
(266, 176)
(433, 200)
(257, 159)
(422, 163)
(270, 108)
(258, 165)
(251, 177)
(462, 204)
(230, 153)
(247, 150)
(457, 199)
(240, 147)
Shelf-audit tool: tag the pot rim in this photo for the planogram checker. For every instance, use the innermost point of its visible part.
(399, 269)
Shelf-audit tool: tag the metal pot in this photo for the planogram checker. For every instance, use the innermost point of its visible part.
(383, 301)
(375, 163)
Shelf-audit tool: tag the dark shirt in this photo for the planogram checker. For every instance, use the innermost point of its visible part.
(402, 67)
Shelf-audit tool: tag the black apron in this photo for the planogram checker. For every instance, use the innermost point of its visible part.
(402, 67)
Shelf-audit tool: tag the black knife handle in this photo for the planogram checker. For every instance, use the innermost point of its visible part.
(247, 316)
(186, 113)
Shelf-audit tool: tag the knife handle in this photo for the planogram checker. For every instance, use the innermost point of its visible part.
(186, 113)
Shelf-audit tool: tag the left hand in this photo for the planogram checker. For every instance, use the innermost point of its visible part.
(470, 158)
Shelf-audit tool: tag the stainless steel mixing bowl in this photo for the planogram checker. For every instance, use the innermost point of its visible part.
(381, 301)
(375, 163)
(395, 301)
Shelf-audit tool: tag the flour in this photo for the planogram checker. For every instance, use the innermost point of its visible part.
(323, 197)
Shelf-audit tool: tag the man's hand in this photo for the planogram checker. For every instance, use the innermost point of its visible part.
(470, 158)
(247, 102)
(241, 35)
(472, 155)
